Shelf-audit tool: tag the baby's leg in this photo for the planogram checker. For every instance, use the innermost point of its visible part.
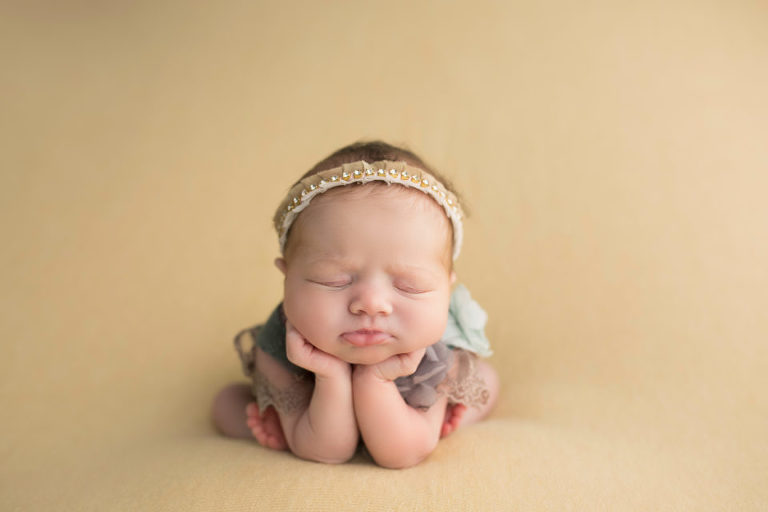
(265, 426)
(236, 414)
(229, 410)
(457, 415)
(289, 394)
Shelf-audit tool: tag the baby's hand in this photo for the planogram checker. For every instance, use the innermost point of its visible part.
(302, 353)
(398, 365)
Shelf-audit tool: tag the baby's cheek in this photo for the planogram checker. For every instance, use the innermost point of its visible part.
(305, 314)
(429, 323)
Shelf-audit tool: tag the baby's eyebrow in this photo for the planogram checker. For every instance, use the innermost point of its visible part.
(329, 261)
(411, 270)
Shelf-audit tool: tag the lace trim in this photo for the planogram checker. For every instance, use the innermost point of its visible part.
(463, 385)
(288, 401)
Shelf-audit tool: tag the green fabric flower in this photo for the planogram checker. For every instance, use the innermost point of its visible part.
(466, 324)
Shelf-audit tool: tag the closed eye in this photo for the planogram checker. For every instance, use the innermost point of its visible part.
(332, 284)
(410, 289)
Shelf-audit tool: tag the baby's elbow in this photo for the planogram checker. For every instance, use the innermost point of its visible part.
(403, 461)
(390, 462)
(404, 456)
(338, 459)
(337, 455)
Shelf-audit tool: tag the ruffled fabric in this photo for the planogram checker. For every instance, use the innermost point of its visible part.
(420, 388)
(466, 324)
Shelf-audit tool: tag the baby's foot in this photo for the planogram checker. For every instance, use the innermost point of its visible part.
(453, 415)
(266, 427)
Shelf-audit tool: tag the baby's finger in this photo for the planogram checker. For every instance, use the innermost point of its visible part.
(290, 330)
(410, 361)
(400, 365)
(296, 346)
(293, 340)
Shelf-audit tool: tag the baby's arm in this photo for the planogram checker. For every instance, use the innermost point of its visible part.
(396, 434)
(325, 430)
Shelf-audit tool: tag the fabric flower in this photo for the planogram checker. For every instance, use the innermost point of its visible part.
(466, 324)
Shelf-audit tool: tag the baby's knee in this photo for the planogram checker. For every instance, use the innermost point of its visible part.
(228, 410)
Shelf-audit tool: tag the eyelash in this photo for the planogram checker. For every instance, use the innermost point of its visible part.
(338, 285)
(409, 289)
(334, 284)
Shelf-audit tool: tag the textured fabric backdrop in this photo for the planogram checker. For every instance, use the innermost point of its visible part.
(614, 159)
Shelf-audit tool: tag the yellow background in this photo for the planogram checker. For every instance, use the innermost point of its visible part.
(614, 158)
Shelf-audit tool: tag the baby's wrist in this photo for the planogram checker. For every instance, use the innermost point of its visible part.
(370, 373)
(340, 371)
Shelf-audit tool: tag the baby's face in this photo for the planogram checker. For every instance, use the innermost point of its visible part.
(367, 274)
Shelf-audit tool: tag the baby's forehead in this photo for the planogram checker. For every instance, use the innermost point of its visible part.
(325, 209)
(338, 262)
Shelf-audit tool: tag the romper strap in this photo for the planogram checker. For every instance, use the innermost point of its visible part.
(248, 336)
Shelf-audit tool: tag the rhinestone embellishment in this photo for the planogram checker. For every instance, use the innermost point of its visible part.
(359, 173)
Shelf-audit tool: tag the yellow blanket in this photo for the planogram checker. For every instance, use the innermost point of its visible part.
(614, 160)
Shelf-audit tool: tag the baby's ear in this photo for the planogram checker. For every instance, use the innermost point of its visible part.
(280, 264)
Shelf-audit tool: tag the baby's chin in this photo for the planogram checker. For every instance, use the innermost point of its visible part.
(369, 356)
(366, 359)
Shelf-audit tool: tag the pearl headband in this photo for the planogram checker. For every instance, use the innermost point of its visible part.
(361, 172)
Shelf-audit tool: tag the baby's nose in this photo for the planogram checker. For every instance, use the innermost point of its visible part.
(371, 300)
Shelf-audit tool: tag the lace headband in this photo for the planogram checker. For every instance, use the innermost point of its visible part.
(361, 172)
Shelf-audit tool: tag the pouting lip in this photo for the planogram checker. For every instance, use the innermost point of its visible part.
(366, 337)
